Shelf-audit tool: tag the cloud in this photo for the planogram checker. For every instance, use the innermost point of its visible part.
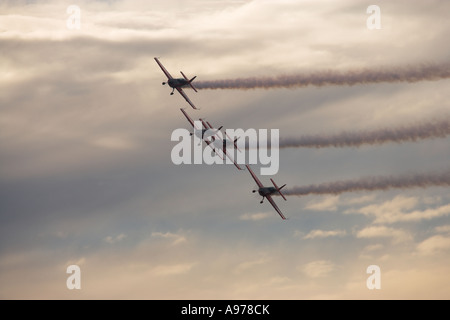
(434, 245)
(399, 209)
(173, 237)
(112, 239)
(250, 265)
(331, 203)
(324, 234)
(78, 262)
(397, 235)
(318, 269)
(326, 204)
(373, 247)
(255, 216)
(114, 143)
(172, 270)
(443, 229)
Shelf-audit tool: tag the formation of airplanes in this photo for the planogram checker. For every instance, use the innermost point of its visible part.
(218, 143)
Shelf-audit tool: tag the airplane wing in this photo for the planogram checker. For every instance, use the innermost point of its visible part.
(163, 69)
(189, 119)
(206, 124)
(274, 205)
(195, 128)
(254, 177)
(211, 144)
(220, 140)
(231, 158)
(186, 97)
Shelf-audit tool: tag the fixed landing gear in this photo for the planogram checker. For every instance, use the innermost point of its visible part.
(173, 89)
(262, 198)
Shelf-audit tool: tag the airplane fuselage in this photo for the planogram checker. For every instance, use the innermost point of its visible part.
(201, 134)
(267, 191)
(177, 83)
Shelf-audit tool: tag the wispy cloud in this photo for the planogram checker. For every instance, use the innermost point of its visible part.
(399, 209)
(174, 238)
(443, 229)
(324, 234)
(256, 216)
(434, 245)
(397, 235)
(318, 269)
(115, 239)
(326, 204)
(251, 264)
(172, 269)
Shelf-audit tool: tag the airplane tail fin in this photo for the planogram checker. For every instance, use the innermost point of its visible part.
(189, 81)
(235, 144)
(279, 189)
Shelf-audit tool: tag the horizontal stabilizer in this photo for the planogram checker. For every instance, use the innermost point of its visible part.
(189, 81)
(279, 189)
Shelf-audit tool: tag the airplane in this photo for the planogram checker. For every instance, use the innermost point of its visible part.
(227, 142)
(178, 83)
(267, 192)
(205, 133)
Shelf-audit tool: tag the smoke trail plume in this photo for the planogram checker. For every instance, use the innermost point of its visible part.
(410, 73)
(413, 133)
(373, 183)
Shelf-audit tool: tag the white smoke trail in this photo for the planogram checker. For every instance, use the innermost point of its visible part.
(409, 73)
(412, 133)
(373, 183)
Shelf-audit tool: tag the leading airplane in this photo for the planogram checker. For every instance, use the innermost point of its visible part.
(178, 83)
(267, 192)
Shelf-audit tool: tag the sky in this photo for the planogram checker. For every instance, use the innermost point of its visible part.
(86, 176)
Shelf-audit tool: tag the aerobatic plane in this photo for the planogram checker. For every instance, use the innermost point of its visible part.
(267, 192)
(223, 143)
(209, 134)
(178, 83)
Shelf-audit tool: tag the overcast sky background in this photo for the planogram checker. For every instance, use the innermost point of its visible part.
(86, 176)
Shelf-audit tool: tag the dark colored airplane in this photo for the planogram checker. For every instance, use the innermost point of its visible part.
(267, 192)
(178, 83)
